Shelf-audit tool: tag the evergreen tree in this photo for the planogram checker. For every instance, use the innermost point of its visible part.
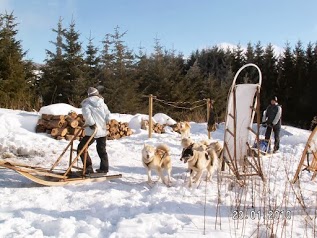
(299, 84)
(285, 83)
(269, 76)
(15, 73)
(249, 54)
(237, 58)
(52, 82)
(309, 96)
(92, 62)
(75, 86)
(118, 74)
(106, 59)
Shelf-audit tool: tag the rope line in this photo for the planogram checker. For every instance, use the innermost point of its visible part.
(172, 104)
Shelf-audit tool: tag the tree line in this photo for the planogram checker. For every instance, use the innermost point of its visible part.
(125, 77)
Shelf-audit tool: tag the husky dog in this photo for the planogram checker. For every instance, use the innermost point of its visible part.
(144, 124)
(198, 161)
(184, 128)
(157, 158)
(200, 146)
(217, 147)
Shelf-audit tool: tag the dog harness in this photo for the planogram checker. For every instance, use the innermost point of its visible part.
(147, 164)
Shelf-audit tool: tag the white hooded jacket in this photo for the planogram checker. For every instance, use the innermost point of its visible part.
(95, 112)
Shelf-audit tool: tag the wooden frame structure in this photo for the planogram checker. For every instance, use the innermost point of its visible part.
(310, 149)
(243, 105)
(57, 177)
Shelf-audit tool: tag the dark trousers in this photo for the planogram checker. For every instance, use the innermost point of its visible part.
(101, 150)
(276, 129)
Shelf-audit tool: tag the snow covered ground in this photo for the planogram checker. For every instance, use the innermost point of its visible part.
(129, 207)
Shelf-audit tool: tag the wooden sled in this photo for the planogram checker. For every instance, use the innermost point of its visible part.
(58, 177)
(243, 104)
(310, 150)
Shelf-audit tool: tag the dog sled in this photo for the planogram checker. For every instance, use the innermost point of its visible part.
(262, 145)
(310, 155)
(55, 176)
(242, 106)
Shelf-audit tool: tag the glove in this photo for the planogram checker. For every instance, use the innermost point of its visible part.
(93, 127)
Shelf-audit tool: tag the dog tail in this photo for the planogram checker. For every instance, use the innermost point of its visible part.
(205, 142)
(216, 146)
(214, 158)
(164, 148)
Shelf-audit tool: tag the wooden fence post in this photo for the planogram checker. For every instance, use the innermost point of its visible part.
(208, 112)
(150, 115)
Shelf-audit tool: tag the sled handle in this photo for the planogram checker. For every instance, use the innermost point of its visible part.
(245, 66)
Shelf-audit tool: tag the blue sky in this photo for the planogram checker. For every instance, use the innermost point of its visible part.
(182, 25)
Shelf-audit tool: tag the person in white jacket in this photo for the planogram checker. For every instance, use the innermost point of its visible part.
(96, 115)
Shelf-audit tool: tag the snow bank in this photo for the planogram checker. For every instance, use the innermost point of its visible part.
(135, 122)
(59, 109)
(162, 118)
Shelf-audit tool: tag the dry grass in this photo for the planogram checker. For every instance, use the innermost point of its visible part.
(275, 208)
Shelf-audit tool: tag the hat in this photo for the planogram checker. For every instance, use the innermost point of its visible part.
(92, 91)
(274, 98)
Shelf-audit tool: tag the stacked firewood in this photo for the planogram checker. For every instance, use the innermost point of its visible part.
(70, 126)
(117, 129)
(158, 128)
(61, 126)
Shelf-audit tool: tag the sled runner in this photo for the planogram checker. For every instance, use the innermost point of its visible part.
(57, 177)
(243, 104)
(309, 151)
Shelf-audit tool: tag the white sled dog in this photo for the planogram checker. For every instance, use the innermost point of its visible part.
(199, 161)
(157, 158)
(184, 129)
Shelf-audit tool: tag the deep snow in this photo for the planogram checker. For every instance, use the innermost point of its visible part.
(129, 207)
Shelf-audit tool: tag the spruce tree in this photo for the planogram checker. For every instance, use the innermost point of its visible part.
(238, 60)
(249, 54)
(269, 76)
(74, 90)
(309, 96)
(15, 73)
(299, 84)
(118, 74)
(285, 83)
(92, 63)
(52, 83)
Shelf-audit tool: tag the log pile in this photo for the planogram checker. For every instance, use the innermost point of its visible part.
(61, 126)
(158, 128)
(117, 129)
(68, 126)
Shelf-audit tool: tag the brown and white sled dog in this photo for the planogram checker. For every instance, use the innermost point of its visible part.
(199, 161)
(157, 158)
(184, 129)
(200, 146)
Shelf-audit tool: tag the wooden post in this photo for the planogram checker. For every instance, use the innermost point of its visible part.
(150, 115)
(208, 112)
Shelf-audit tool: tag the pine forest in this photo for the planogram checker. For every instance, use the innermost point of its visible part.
(127, 77)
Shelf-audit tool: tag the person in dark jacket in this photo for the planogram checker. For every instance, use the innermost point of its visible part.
(272, 119)
(211, 124)
(96, 115)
